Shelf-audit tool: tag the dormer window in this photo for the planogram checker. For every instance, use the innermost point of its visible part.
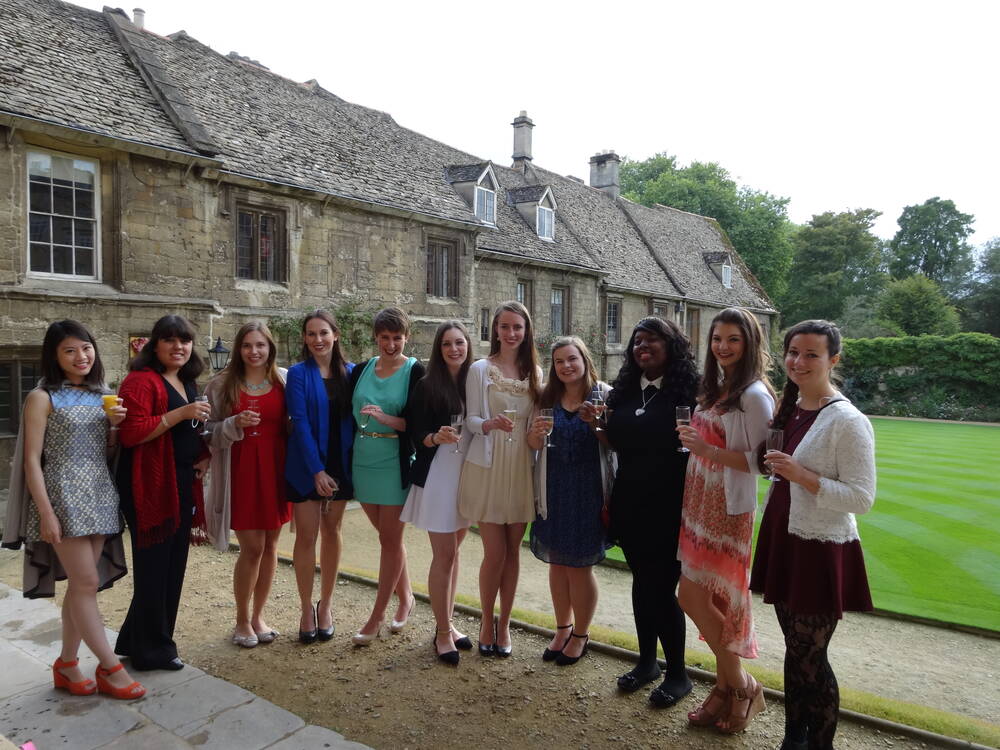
(727, 276)
(545, 223)
(486, 204)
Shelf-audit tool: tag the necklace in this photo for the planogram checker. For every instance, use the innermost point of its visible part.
(642, 409)
(254, 387)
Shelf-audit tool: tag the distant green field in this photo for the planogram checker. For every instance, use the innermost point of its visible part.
(932, 541)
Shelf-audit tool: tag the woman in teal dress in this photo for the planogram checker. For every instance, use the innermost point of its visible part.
(383, 452)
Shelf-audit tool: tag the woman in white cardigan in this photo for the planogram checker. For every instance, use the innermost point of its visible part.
(735, 404)
(246, 490)
(809, 562)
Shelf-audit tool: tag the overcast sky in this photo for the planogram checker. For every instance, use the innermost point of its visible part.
(842, 105)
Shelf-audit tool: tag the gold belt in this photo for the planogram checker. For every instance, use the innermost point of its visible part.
(390, 435)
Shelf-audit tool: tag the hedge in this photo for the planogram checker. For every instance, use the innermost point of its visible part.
(938, 377)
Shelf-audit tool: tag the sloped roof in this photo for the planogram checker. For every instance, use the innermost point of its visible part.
(62, 64)
(465, 172)
(526, 194)
(682, 239)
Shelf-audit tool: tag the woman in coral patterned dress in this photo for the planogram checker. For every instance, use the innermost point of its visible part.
(734, 407)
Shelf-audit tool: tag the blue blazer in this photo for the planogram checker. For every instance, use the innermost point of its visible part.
(309, 410)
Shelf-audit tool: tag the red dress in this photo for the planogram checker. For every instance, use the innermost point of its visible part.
(257, 467)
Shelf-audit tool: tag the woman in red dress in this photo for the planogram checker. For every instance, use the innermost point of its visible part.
(247, 491)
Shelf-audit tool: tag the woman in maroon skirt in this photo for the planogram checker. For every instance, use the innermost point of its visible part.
(809, 563)
(247, 488)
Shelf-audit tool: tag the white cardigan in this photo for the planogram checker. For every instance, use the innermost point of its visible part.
(840, 447)
(477, 411)
(746, 429)
(224, 432)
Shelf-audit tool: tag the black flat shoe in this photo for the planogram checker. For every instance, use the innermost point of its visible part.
(564, 661)
(310, 636)
(550, 654)
(630, 681)
(323, 634)
(464, 643)
(171, 665)
(665, 696)
(448, 657)
(790, 744)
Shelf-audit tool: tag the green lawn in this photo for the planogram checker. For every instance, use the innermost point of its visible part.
(932, 541)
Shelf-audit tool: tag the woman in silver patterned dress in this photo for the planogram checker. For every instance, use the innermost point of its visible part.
(67, 436)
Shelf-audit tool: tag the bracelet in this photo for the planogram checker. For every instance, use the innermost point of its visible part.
(434, 439)
(715, 456)
(164, 422)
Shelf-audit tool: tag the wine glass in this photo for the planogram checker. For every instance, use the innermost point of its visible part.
(683, 416)
(511, 414)
(549, 417)
(456, 424)
(775, 442)
(196, 422)
(597, 399)
(253, 405)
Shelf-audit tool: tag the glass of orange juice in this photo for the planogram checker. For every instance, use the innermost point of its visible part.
(110, 401)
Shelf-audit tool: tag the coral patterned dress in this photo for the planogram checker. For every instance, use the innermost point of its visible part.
(714, 547)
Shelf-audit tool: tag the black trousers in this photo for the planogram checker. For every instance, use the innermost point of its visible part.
(658, 616)
(147, 635)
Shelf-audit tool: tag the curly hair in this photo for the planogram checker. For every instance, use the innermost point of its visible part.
(680, 378)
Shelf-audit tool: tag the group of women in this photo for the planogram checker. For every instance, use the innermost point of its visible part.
(491, 443)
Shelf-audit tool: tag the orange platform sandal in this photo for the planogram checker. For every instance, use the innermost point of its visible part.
(85, 686)
(127, 693)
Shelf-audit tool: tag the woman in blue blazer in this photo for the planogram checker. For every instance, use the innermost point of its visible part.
(317, 465)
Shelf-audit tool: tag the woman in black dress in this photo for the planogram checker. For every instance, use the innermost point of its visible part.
(659, 375)
(159, 474)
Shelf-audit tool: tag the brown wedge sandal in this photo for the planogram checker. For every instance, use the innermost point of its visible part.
(739, 718)
(705, 715)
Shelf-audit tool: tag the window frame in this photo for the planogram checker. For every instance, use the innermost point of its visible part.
(490, 202)
(485, 318)
(527, 296)
(18, 392)
(540, 222)
(613, 335)
(96, 248)
(437, 285)
(563, 306)
(727, 275)
(257, 210)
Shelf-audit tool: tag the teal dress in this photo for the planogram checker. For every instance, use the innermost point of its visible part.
(376, 464)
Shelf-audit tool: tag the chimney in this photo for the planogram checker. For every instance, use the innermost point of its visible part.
(604, 173)
(139, 17)
(522, 138)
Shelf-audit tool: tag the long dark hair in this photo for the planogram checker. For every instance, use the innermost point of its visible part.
(169, 327)
(338, 367)
(554, 387)
(439, 389)
(52, 374)
(790, 395)
(527, 355)
(680, 379)
(752, 366)
(235, 372)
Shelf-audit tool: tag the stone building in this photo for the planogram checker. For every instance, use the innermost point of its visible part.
(145, 174)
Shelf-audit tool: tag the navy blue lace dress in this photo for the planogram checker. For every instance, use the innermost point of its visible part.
(572, 535)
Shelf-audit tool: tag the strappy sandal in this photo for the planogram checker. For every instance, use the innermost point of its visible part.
(753, 694)
(704, 716)
(550, 654)
(85, 686)
(127, 693)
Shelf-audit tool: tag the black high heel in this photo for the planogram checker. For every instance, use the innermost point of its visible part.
(502, 651)
(550, 654)
(324, 634)
(448, 657)
(464, 643)
(309, 636)
(564, 661)
(487, 649)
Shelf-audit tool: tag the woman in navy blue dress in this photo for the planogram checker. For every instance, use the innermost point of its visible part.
(573, 473)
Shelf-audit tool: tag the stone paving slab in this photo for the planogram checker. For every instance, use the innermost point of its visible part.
(182, 709)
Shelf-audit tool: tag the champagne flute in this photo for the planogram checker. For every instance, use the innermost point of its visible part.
(196, 422)
(775, 442)
(253, 405)
(597, 399)
(683, 416)
(364, 425)
(511, 414)
(549, 417)
(456, 424)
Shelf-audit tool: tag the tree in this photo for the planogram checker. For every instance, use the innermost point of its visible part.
(981, 307)
(932, 240)
(836, 257)
(756, 222)
(917, 305)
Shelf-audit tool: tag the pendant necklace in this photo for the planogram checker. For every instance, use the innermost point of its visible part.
(642, 409)
(254, 387)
